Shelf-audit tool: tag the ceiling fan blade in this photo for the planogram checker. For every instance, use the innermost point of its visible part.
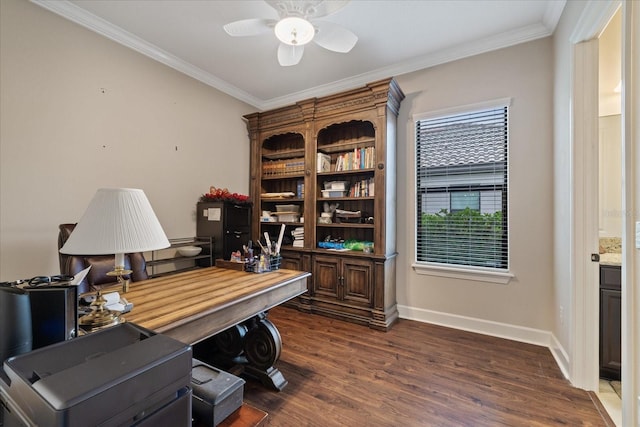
(249, 27)
(334, 37)
(306, 8)
(289, 55)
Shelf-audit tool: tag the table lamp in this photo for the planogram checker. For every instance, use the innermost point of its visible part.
(117, 221)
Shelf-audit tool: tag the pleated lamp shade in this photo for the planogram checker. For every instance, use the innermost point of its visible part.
(117, 221)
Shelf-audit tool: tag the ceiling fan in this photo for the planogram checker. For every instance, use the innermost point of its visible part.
(294, 29)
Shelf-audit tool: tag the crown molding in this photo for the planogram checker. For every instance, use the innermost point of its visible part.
(94, 23)
(593, 20)
(552, 14)
(506, 39)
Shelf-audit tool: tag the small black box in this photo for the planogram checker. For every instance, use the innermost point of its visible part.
(54, 314)
(216, 394)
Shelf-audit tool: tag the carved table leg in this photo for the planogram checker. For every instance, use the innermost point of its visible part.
(262, 349)
(252, 348)
(229, 343)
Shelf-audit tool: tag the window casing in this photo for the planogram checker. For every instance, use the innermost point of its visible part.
(462, 188)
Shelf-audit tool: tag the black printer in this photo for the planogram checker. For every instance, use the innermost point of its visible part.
(121, 376)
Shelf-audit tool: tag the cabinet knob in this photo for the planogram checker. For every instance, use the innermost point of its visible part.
(380, 166)
(307, 172)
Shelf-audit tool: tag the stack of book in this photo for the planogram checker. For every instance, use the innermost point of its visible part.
(298, 237)
(283, 167)
(360, 158)
(364, 188)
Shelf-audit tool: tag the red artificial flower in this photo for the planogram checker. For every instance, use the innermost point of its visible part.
(222, 194)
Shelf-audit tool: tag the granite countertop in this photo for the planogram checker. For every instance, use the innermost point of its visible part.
(610, 248)
(609, 258)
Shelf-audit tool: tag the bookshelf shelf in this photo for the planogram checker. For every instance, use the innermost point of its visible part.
(283, 154)
(344, 225)
(349, 172)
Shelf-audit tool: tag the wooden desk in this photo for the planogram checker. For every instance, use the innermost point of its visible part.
(198, 304)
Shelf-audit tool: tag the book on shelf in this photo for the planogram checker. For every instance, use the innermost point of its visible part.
(283, 167)
(300, 189)
(363, 188)
(298, 237)
(359, 158)
(323, 163)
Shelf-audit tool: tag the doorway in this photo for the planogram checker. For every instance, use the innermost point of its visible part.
(584, 215)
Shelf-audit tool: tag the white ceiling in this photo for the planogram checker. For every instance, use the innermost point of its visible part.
(394, 37)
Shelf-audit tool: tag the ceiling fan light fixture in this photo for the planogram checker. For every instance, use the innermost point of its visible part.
(294, 31)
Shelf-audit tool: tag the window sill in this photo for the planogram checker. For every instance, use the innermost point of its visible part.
(475, 274)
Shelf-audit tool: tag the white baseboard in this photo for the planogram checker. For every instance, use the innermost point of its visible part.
(495, 329)
(561, 356)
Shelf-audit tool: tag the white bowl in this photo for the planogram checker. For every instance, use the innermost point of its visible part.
(189, 250)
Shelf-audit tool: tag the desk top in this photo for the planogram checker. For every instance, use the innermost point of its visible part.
(197, 304)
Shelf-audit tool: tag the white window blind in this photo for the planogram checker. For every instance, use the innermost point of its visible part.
(461, 183)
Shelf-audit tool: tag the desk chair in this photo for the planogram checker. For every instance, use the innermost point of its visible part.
(100, 265)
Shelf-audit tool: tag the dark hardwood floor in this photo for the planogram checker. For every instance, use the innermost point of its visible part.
(417, 374)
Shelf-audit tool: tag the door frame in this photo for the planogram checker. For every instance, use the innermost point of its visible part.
(584, 206)
(584, 212)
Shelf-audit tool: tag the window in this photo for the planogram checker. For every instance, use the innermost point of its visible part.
(461, 200)
(462, 187)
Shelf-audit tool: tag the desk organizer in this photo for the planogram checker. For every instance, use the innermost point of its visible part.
(265, 264)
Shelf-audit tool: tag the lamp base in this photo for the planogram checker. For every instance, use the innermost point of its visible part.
(120, 271)
(100, 316)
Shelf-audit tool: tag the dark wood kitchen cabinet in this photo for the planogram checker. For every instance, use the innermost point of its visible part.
(610, 322)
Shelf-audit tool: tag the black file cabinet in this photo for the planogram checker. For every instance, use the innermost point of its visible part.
(228, 223)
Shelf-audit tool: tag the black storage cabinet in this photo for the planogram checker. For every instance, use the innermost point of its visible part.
(610, 322)
(228, 223)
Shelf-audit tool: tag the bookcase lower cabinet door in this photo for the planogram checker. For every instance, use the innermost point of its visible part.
(295, 260)
(343, 287)
(300, 261)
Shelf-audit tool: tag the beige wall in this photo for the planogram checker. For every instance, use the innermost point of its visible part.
(610, 67)
(523, 73)
(80, 112)
(610, 176)
(610, 106)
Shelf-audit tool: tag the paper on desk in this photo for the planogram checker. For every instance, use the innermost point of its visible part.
(113, 301)
(80, 276)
